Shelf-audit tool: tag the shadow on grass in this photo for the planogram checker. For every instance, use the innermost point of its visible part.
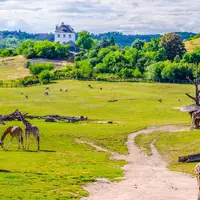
(46, 151)
(5, 171)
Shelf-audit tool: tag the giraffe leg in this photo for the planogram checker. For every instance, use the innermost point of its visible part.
(37, 138)
(28, 141)
(22, 142)
(26, 136)
(9, 144)
(18, 139)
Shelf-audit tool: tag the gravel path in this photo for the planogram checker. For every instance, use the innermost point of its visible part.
(145, 177)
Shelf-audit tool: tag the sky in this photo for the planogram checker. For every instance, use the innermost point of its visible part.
(98, 16)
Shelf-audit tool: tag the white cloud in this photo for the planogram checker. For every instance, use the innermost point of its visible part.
(128, 16)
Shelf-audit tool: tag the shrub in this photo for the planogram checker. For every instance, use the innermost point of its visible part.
(32, 80)
(36, 69)
(28, 64)
(154, 71)
(137, 73)
(107, 77)
(45, 77)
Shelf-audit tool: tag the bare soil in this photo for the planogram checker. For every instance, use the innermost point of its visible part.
(146, 177)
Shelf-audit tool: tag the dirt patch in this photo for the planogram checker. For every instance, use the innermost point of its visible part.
(145, 177)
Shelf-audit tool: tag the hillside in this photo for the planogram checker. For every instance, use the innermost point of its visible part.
(14, 67)
(192, 44)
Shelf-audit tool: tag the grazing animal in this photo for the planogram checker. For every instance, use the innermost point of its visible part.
(26, 96)
(90, 86)
(66, 90)
(61, 90)
(15, 131)
(22, 93)
(179, 100)
(29, 128)
(47, 88)
(46, 94)
(160, 100)
(101, 88)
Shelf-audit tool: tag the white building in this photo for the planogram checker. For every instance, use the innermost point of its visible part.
(65, 34)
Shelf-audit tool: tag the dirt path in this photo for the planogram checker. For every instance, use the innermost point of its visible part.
(146, 178)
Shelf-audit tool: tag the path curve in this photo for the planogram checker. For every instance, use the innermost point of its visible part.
(145, 177)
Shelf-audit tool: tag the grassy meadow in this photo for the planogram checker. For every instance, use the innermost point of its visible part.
(62, 166)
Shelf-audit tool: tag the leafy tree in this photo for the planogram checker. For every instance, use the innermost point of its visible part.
(112, 41)
(83, 69)
(177, 59)
(84, 40)
(193, 57)
(137, 73)
(138, 44)
(154, 71)
(177, 71)
(173, 45)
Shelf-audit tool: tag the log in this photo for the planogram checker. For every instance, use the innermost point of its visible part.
(189, 158)
(47, 118)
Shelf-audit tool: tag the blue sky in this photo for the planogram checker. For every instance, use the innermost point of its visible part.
(127, 16)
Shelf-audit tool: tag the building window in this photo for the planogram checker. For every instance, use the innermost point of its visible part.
(70, 35)
(64, 35)
(58, 35)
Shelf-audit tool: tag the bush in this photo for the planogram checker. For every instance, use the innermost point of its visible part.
(84, 69)
(126, 73)
(32, 80)
(137, 73)
(28, 64)
(177, 71)
(154, 71)
(45, 77)
(107, 77)
(36, 69)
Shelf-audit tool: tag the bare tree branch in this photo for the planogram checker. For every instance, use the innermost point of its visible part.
(193, 98)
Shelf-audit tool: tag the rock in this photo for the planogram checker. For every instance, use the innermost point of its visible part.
(49, 119)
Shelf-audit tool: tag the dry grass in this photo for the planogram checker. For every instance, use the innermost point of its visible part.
(193, 44)
(13, 68)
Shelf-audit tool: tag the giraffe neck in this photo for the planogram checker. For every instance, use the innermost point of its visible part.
(26, 123)
(4, 135)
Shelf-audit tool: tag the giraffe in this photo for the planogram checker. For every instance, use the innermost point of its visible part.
(15, 131)
(29, 128)
(197, 173)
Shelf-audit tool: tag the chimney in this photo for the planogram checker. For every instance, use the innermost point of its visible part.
(62, 23)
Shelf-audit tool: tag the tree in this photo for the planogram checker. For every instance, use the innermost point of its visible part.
(84, 40)
(138, 44)
(196, 84)
(173, 45)
(154, 71)
(112, 41)
(193, 57)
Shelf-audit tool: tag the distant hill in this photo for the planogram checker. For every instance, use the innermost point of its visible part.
(126, 40)
(24, 35)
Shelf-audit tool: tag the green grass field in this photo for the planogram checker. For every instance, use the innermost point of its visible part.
(62, 167)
